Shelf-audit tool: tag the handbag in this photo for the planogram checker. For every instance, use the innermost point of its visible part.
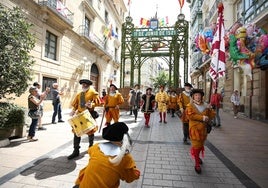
(209, 125)
(34, 114)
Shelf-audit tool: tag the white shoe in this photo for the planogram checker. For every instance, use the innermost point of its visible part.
(235, 117)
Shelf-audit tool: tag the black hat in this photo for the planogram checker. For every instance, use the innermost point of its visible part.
(115, 132)
(36, 84)
(149, 89)
(85, 81)
(188, 84)
(114, 86)
(197, 91)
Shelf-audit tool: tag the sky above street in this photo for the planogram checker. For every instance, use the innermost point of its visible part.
(165, 8)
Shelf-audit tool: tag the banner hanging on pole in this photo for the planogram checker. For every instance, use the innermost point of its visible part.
(217, 65)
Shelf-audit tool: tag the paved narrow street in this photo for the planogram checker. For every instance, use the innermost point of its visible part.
(235, 156)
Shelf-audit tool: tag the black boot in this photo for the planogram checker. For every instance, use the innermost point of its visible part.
(91, 140)
(74, 154)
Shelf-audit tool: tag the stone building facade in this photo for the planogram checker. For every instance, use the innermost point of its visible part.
(253, 92)
(74, 40)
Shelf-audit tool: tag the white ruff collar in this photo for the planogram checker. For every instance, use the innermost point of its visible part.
(186, 93)
(109, 149)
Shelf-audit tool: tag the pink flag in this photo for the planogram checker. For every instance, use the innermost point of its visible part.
(217, 65)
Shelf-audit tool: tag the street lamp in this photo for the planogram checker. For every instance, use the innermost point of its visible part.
(181, 17)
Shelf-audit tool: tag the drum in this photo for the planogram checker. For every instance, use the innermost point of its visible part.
(83, 123)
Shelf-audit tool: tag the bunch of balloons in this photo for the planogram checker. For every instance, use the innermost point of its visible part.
(203, 39)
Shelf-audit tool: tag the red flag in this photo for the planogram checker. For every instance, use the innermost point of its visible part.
(128, 3)
(217, 65)
(181, 3)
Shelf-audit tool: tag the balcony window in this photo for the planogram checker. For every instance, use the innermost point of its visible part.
(87, 26)
(51, 46)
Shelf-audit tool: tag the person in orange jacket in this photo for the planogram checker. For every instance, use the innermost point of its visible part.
(183, 100)
(111, 104)
(199, 114)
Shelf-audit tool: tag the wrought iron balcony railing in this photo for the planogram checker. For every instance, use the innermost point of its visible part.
(256, 8)
(83, 31)
(58, 7)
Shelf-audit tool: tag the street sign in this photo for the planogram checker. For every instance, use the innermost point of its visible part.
(154, 33)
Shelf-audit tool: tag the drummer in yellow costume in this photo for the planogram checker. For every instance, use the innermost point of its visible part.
(198, 113)
(111, 105)
(87, 99)
(162, 100)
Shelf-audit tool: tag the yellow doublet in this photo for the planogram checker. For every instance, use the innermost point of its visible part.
(197, 128)
(173, 102)
(101, 173)
(162, 99)
(183, 100)
(90, 95)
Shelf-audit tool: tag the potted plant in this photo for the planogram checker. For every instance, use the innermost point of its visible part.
(11, 118)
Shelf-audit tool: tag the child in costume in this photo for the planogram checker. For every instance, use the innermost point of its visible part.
(198, 113)
(109, 162)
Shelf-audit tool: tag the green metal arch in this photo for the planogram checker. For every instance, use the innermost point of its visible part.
(140, 44)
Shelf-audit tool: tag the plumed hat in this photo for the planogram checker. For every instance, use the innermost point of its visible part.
(114, 86)
(85, 81)
(188, 84)
(197, 91)
(115, 132)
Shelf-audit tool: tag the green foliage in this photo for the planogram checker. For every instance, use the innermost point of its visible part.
(11, 115)
(16, 43)
(161, 79)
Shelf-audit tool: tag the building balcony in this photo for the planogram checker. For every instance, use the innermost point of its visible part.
(256, 10)
(95, 42)
(55, 11)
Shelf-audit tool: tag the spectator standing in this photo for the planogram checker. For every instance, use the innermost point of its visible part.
(147, 106)
(162, 100)
(87, 99)
(56, 103)
(33, 105)
(235, 100)
(41, 106)
(111, 104)
(215, 102)
(183, 100)
(135, 100)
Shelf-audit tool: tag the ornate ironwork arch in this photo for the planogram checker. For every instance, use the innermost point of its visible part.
(168, 43)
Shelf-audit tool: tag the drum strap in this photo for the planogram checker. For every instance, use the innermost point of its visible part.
(82, 100)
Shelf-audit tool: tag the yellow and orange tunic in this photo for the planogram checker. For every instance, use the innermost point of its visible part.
(183, 100)
(162, 100)
(101, 173)
(111, 102)
(173, 102)
(91, 95)
(197, 127)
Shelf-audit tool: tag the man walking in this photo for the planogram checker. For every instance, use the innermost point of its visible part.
(56, 103)
(183, 100)
(162, 100)
(135, 99)
(88, 99)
